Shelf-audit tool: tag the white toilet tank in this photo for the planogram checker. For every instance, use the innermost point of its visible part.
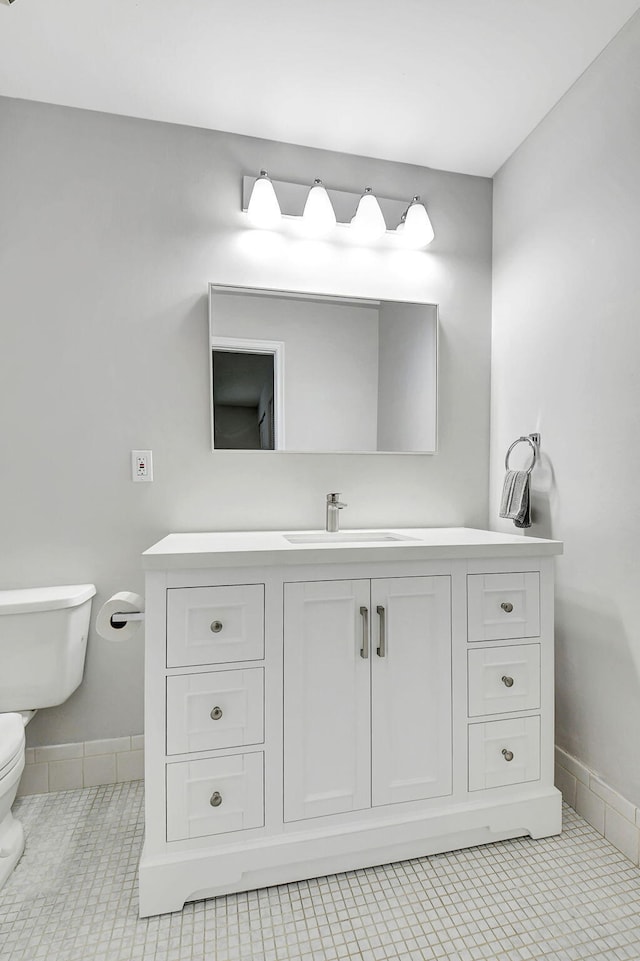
(43, 640)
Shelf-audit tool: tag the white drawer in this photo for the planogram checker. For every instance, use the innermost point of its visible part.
(215, 710)
(504, 679)
(215, 625)
(504, 752)
(215, 796)
(502, 606)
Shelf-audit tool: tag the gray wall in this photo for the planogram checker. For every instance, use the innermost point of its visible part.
(112, 228)
(566, 353)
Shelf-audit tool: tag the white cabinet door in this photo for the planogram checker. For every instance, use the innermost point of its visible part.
(504, 752)
(411, 688)
(503, 606)
(213, 710)
(327, 762)
(504, 679)
(215, 795)
(215, 625)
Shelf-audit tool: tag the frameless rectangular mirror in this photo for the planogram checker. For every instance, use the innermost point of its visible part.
(313, 373)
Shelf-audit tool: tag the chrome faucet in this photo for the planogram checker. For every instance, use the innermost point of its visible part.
(334, 505)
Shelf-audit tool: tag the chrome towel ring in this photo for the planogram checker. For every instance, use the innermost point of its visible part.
(533, 440)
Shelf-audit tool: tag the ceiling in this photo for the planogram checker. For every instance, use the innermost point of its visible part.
(451, 84)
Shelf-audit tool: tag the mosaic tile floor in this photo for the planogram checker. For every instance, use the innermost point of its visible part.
(73, 897)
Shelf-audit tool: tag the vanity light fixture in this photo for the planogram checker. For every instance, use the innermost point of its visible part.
(415, 227)
(368, 223)
(263, 209)
(320, 212)
(318, 217)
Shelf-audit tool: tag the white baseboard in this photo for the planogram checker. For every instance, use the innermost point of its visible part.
(63, 767)
(608, 812)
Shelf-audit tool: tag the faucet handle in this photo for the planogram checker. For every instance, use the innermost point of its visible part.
(333, 498)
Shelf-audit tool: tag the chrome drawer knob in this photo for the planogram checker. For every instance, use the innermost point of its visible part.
(216, 626)
(507, 607)
(506, 680)
(216, 799)
(507, 755)
(216, 714)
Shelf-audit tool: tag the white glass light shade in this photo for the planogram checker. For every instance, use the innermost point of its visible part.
(318, 217)
(368, 223)
(416, 229)
(263, 209)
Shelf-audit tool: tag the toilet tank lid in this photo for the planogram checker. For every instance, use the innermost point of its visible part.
(27, 599)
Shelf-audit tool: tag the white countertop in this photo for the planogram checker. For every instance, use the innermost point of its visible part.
(245, 548)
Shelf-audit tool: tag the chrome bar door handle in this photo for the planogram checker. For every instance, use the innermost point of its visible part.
(382, 649)
(364, 650)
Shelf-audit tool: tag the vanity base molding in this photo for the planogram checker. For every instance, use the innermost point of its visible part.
(168, 881)
(313, 709)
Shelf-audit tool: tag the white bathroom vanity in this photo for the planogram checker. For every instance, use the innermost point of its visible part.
(321, 702)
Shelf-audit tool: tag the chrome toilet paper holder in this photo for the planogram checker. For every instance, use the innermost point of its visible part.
(119, 620)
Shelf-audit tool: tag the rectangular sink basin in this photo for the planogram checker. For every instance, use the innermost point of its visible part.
(347, 537)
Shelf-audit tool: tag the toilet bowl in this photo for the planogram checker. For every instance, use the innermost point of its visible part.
(43, 641)
(11, 768)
